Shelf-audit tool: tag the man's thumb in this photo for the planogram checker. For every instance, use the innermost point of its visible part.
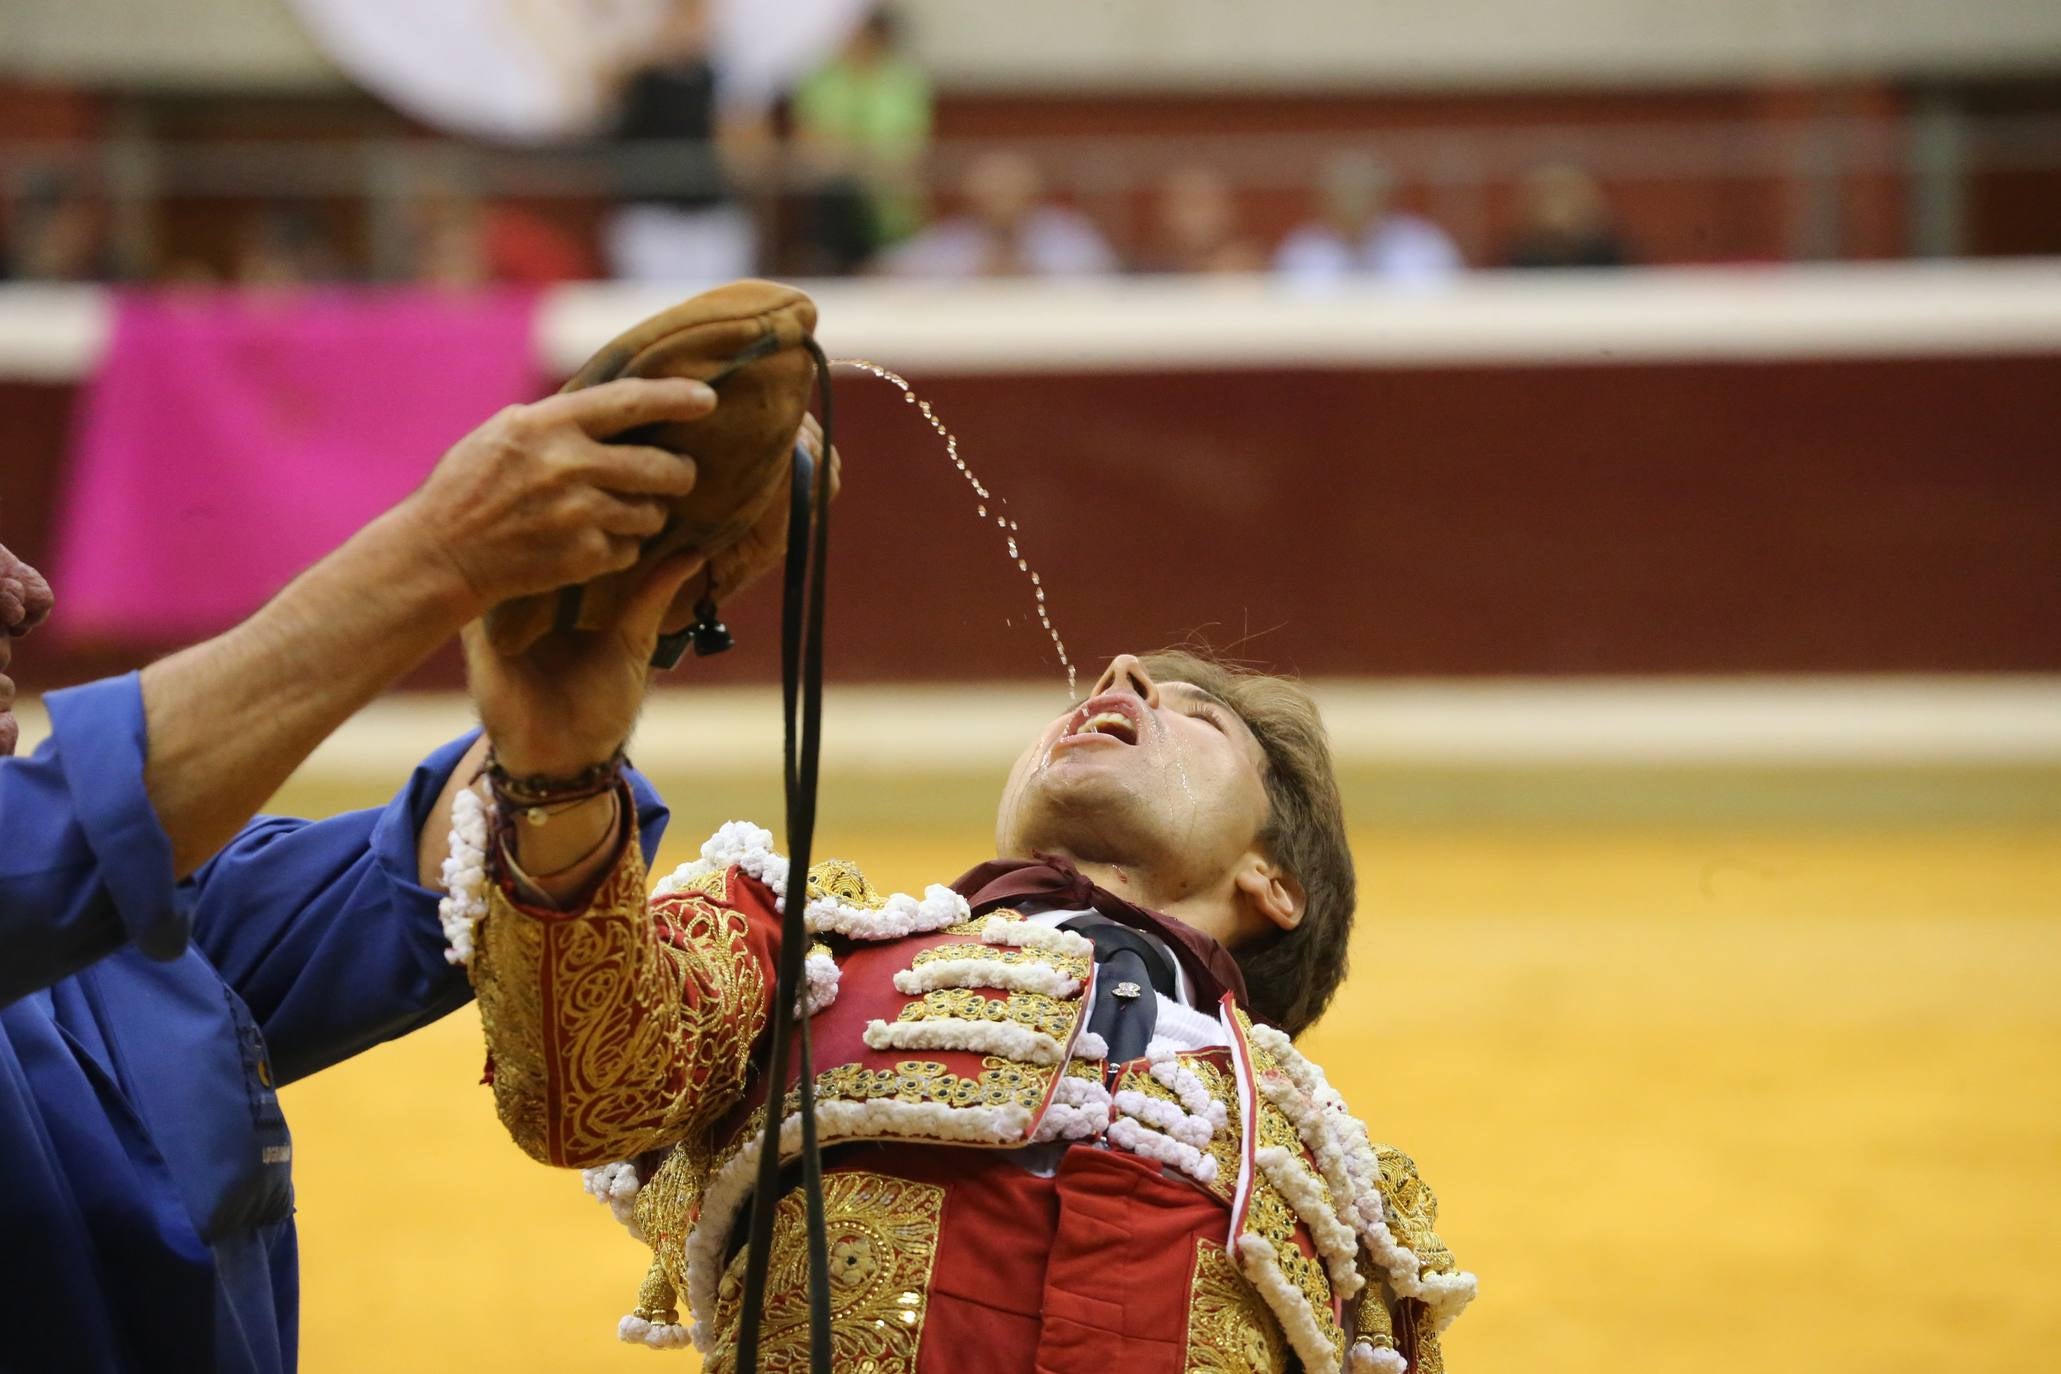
(654, 597)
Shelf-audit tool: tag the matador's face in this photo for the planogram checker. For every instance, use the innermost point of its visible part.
(24, 601)
(1157, 775)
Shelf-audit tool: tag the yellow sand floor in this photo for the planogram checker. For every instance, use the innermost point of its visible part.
(1692, 1100)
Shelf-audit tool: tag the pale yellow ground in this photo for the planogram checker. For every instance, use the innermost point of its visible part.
(1693, 1100)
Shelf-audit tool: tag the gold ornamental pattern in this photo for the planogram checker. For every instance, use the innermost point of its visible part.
(841, 879)
(1230, 1330)
(1051, 1016)
(1227, 1145)
(669, 1197)
(883, 1235)
(1269, 1214)
(1000, 1083)
(1373, 1321)
(623, 1029)
(1412, 1208)
(1072, 965)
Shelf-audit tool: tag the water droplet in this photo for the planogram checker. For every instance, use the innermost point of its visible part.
(981, 492)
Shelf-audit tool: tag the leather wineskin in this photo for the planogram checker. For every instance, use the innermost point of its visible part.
(746, 339)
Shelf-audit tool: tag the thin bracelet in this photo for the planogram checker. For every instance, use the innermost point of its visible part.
(608, 836)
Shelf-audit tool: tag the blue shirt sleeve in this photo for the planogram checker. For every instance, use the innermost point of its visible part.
(325, 930)
(85, 868)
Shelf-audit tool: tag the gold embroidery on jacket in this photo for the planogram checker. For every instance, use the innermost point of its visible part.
(1051, 1016)
(1372, 1321)
(1225, 1145)
(1072, 965)
(841, 880)
(883, 1243)
(714, 884)
(1269, 1214)
(648, 1032)
(1001, 1083)
(665, 1202)
(1412, 1208)
(1430, 1359)
(1230, 1331)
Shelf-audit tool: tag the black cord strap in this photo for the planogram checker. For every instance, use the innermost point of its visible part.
(801, 689)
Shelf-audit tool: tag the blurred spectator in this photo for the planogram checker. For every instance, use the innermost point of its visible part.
(461, 244)
(531, 249)
(1357, 233)
(55, 234)
(1564, 221)
(867, 116)
(449, 252)
(696, 231)
(1195, 227)
(1005, 230)
(283, 246)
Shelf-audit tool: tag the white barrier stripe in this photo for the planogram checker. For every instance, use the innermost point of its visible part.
(1861, 310)
(979, 729)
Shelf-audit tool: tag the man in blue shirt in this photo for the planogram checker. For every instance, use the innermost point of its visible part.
(166, 961)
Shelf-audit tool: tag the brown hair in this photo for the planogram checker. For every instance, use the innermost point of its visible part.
(1290, 974)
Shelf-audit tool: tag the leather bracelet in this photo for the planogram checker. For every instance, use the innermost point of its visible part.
(536, 793)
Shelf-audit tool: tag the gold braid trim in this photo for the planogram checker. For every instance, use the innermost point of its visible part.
(1230, 1330)
(1373, 1322)
(1430, 1359)
(1412, 1209)
(883, 1235)
(619, 1030)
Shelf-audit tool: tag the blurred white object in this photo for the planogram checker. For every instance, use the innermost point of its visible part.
(1401, 248)
(1358, 232)
(763, 49)
(659, 243)
(525, 71)
(1007, 229)
(56, 334)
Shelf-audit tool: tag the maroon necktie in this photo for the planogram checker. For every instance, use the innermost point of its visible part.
(1052, 882)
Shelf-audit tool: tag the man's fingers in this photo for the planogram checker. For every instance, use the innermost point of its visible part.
(638, 470)
(623, 551)
(639, 517)
(629, 402)
(649, 604)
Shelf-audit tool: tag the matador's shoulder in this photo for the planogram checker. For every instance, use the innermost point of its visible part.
(841, 899)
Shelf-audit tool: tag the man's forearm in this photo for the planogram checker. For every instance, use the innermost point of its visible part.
(230, 719)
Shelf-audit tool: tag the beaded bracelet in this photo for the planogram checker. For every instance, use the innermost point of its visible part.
(539, 796)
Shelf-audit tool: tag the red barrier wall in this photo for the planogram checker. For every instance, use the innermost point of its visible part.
(1769, 517)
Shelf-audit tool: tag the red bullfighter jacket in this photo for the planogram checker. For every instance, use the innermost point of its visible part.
(995, 1189)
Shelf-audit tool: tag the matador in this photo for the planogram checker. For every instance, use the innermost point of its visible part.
(1065, 1124)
